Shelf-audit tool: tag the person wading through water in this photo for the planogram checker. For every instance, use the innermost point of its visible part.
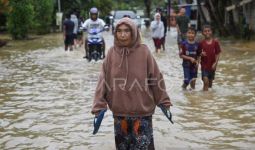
(131, 85)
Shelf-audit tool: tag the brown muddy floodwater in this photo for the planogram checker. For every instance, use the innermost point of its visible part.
(46, 96)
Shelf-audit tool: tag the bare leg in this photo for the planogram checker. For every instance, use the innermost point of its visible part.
(86, 48)
(81, 41)
(184, 86)
(193, 83)
(206, 83)
(163, 45)
(210, 83)
(75, 43)
(71, 47)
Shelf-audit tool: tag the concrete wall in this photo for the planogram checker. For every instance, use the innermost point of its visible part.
(249, 12)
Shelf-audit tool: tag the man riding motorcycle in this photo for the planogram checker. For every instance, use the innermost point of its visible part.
(93, 23)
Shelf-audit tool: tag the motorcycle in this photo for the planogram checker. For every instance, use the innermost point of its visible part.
(95, 44)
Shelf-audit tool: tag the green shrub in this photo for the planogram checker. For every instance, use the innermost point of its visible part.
(20, 18)
(43, 10)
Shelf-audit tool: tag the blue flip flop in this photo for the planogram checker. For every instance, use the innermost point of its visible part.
(166, 112)
(97, 121)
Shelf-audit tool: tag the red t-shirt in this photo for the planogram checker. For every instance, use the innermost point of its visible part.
(211, 51)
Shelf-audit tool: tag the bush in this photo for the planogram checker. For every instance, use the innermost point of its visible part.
(43, 10)
(20, 18)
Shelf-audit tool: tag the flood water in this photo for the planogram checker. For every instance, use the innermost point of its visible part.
(46, 96)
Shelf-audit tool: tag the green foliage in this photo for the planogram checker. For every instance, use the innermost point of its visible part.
(20, 18)
(67, 6)
(128, 4)
(175, 7)
(43, 15)
(104, 7)
(4, 6)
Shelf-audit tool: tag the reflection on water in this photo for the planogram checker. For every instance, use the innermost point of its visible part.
(46, 96)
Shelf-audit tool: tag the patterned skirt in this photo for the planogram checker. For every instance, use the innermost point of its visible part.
(133, 133)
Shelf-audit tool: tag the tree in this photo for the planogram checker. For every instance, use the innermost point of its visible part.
(201, 11)
(4, 6)
(43, 15)
(147, 8)
(104, 7)
(4, 9)
(20, 18)
(217, 10)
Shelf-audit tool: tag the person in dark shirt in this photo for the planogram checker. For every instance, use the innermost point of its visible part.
(68, 27)
(183, 22)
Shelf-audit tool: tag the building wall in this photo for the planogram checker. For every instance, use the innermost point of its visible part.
(249, 13)
(252, 14)
(248, 10)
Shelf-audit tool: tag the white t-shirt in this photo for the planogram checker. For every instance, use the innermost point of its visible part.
(76, 23)
(97, 24)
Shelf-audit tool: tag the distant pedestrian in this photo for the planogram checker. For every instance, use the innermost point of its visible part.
(75, 30)
(68, 27)
(107, 20)
(80, 38)
(183, 22)
(191, 57)
(157, 28)
(164, 20)
(210, 54)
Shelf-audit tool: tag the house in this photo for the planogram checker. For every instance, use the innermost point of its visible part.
(192, 10)
(241, 9)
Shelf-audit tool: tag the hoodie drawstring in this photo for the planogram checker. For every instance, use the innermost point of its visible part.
(125, 52)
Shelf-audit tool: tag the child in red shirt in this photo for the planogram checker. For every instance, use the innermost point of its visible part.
(210, 53)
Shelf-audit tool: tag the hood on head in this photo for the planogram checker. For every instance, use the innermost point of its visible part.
(157, 14)
(135, 35)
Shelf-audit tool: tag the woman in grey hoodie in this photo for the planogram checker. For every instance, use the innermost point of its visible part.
(131, 85)
(157, 29)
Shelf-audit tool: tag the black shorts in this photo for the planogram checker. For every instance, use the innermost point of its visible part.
(209, 74)
(69, 40)
(74, 36)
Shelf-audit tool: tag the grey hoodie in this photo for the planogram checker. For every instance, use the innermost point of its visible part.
(130, 82)
(74, 19)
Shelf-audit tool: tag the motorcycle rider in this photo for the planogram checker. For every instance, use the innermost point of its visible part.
(92, 23)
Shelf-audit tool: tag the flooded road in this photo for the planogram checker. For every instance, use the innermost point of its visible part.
(46, 96)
